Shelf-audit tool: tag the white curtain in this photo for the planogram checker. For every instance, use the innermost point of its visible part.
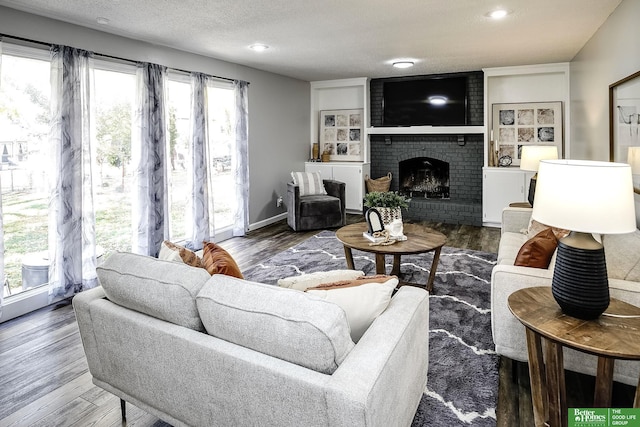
(149, 150)
(72, 251)
(201, 201)
(2, 277)
(240, 164)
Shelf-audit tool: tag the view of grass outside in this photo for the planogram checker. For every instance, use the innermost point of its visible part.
(24, 180)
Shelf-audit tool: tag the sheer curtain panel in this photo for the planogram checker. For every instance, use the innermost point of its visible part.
(2, 276)
(72, 251)
(241, 159)
(149, 156)
(201, 202)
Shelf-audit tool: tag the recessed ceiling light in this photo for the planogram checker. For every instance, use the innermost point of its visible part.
(102, 21)
(259, 47)
(403, 64)
(498, 13)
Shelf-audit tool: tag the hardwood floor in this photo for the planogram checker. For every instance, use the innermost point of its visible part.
(44, 379)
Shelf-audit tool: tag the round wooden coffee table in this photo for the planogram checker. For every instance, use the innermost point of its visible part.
(419, 240)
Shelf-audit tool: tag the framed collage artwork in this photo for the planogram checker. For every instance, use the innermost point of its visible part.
(516, 125)
(341, 134)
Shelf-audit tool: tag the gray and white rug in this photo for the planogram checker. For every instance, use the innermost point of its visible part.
(462, 385)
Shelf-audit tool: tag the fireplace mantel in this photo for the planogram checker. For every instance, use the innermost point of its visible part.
(425, 130)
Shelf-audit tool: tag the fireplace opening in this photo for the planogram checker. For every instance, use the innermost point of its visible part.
(424, 177)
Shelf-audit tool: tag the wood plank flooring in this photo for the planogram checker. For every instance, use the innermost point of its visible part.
(44, 379)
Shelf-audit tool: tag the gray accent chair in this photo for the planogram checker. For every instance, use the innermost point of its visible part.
(320, 211)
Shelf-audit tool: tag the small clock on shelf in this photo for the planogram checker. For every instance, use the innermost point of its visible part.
(505, 161)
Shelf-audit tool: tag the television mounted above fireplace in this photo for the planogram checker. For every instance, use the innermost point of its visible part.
(425, 101)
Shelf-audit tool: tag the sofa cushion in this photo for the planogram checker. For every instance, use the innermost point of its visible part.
(305, 281)
(622, 252)
(283, 323)
(320, 205)
(363, 300)
(537, 251)
(310, 183)
(536, 227)
(172, 252)
(218, 261)
(510, 244)
(162, 289)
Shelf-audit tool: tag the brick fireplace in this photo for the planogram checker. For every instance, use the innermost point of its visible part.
(431, 157)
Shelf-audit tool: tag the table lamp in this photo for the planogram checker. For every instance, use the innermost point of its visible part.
(530, 157)
(585, 197)
(633, 158)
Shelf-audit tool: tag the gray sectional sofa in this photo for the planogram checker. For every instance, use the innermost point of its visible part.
(200, 350)
(622, 254)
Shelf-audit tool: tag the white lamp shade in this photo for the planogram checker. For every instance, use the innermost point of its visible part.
(531, 155)
(585, 196)
(633, 158)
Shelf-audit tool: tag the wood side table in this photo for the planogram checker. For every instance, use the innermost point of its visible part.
(607, 337)
(419, 240)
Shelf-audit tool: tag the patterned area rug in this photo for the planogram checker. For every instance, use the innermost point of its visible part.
(462, 385)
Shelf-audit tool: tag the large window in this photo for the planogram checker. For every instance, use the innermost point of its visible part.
(222, 142)
(221, 147)
(113, 99)
(25, 161)
(24, 127)
(179, 92)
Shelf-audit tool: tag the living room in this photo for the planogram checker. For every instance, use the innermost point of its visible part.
(276, 149)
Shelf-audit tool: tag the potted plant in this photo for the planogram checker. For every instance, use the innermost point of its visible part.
(388, 203)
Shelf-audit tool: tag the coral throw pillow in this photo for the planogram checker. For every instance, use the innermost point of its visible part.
(218, 261)
(538, 251)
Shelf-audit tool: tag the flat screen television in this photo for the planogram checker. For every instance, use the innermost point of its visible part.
(433, 101)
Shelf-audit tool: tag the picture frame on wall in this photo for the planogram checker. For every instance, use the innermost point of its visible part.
(342, 134)
(515, 125)
(624, 117)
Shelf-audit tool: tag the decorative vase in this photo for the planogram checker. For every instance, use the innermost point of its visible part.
(389, 214)
(316, 151)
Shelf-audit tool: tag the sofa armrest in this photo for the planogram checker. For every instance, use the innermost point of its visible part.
(382, 380)
(82, 308)
(515, 219)
(508, 332)
(293, 205)
(338, 189)
(335, 188)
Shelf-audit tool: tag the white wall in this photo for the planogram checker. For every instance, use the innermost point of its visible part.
(610, 55)
(278, 105)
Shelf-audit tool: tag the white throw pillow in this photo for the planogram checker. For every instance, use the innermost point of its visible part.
(362, 304)
(310, 183)
(304, 281)
(169, 254)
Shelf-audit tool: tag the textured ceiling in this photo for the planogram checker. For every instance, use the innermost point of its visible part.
(318, 40)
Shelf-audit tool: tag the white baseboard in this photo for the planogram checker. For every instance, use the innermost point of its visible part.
(268, 221)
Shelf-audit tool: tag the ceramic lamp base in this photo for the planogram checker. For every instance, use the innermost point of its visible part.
(580, 285)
